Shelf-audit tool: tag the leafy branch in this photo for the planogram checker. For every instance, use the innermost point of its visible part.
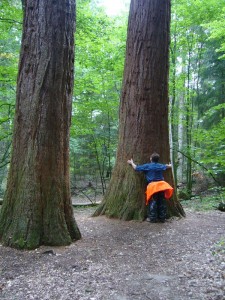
(11, 21)
(201, 165)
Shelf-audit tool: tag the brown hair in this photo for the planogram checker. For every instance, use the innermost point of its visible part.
(154, 157)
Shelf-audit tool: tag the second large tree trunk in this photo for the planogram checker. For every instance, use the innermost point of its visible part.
(143, 110)
(37, 205)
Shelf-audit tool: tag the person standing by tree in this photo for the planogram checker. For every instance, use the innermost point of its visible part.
(156, 187)
(144, 103)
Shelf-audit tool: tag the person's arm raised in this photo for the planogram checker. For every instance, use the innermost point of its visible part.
(168, 166)
(131, 162)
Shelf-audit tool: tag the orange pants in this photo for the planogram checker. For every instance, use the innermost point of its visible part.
(158, 186)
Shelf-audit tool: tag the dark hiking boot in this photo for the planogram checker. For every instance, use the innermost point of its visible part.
(162, 221)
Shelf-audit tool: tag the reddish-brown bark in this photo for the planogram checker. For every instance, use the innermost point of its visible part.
(143, 109)
(37, 205)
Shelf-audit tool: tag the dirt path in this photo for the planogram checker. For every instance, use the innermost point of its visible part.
(117, 260)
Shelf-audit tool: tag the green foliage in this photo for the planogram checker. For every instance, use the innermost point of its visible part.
(201, 203)
(197, 84)
(100, 49)
(217, 31)
(219, 248)
(10, 35)
(213, 143)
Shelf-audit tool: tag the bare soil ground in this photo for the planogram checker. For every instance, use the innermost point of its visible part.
(118, 260)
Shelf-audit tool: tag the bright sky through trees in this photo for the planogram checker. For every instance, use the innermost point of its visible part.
(115, 7)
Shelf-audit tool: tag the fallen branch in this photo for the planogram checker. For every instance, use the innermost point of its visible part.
(84, 204)
(74, 205)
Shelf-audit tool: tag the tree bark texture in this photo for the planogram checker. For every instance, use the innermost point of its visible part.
(37, 206)
(143, 110)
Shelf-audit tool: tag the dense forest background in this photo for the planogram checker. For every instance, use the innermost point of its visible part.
(197, 93)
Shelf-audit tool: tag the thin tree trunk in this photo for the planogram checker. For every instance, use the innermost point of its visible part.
(37, 206)
(173, 110)
(143, 110)
(189, 120)
(181, 139)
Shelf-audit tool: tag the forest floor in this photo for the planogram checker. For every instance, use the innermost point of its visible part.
(117, 260)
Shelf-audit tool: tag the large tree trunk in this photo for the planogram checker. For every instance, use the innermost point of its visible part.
(143, 110)
(37, 205)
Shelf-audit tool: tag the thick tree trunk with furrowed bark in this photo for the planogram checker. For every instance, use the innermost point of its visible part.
(37, 205)
(143, 110)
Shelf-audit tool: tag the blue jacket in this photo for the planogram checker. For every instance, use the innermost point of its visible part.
(153, 171)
